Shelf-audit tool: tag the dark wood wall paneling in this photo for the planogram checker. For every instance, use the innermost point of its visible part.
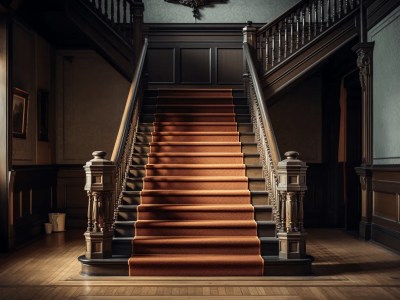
(195, 54)
(37, 191)
(33, 196)
(386, 206)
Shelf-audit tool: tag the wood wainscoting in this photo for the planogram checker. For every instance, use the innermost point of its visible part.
(195, 54)
(32, 197)
(385, 227)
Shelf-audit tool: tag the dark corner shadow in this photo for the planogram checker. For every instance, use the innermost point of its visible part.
(353, 268)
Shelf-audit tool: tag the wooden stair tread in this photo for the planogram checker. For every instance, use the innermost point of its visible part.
(195, 192)
(195, 207)
(195, 178)
(195, 166)
(196, 154)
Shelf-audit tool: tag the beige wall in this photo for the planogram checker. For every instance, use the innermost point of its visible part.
(90, 100)
(297, 120)
(32, 69)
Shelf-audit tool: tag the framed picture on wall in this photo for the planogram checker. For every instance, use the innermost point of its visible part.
(43, 115)
(19, 113)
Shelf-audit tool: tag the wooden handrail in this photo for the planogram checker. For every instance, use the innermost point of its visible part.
(129, 107)
(266, 121)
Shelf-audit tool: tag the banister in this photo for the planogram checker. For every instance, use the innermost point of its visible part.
(129, 107)
(276, 157)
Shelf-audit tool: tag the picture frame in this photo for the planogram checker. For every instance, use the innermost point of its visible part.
(43, 115)
(20, 102)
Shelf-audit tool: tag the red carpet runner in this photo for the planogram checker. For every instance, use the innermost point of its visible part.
(195, 216)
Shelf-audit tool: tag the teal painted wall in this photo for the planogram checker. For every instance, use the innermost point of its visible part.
(234, 11)
(386, 89)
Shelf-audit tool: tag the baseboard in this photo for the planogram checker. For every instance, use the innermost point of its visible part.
(386, 237)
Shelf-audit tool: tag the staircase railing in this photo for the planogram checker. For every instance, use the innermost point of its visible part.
(266, 140)
(124, 145)
(119, 14)
(298, 27)
(105, 180)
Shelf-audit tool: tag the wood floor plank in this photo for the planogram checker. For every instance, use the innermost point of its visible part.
(344, 268)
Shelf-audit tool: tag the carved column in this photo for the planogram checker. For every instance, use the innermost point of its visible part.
(137, 26)
(99, 187)
(291, 188)
(364, 53)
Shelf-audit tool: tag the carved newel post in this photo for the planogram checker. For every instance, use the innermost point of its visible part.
(250, 37)
(291, 189)
(99, 186)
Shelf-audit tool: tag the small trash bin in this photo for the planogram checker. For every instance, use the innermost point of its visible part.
(58, 221)
(48, 228)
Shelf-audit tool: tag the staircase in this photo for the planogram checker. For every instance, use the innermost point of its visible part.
(195, 200)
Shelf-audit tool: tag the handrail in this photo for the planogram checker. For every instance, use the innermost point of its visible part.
(298, 27)
(119, 14)
(129, 107)
(269, 132)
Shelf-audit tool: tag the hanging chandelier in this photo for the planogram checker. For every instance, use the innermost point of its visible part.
(195, 5)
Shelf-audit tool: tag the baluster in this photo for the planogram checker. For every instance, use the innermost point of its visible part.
(321, 23)
(309, 21)
(285, 45)
(112, 11)
(315, 7)
(273, 47)
(118, 11)
(266, 50)
(124, 16)
(291, 32)
(297, 29)
(259, 48)
(106, 10)
(351, 4)
(303, 24)
(345, 5)
(328, 13)
(279, 41)
(334, 11)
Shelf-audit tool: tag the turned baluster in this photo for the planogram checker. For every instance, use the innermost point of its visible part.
(124, 15)
(291, 33)
(334, 2)
(315, 10)
(321, 16)
(328, 13)
(309, 21)
(273, 47)
(266, 50)
(279, 41)
(285, 39)
(112, 11)
(303, 25)
(345, 6)
(297, 29)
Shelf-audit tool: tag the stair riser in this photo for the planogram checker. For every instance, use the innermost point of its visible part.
(250, 172)
(195, 172)
(270, 248)
(254, 172)
(193, 118)
(196, 160)
(196, 148)
(195, 185)
(195, 138)
(142, 149)
(192, 200)
(256, 185)
(178, 248)
(186, 231)
(141, 138)
(266, 230)
(204, 101)
(189, 215)
(127, 215)
(139, 160)
(252, 160)
(136, 185)
(199, 269)
(249, 149)
(196, 109)
(195, 128)
(189, 94)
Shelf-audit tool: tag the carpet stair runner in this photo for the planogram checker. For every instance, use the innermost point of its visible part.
(190, 204)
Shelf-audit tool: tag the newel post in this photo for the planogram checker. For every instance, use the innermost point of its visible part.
(99, 185)
(249, 37)
(291, 188)
(137, 26)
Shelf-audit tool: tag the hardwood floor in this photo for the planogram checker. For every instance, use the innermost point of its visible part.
(344, 268)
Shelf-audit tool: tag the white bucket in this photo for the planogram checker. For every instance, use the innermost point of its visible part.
(48, 228)
(58, 221)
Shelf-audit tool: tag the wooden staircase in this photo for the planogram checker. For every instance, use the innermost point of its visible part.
(188, 168)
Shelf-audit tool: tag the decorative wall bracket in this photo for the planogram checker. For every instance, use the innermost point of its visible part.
(196, 4)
